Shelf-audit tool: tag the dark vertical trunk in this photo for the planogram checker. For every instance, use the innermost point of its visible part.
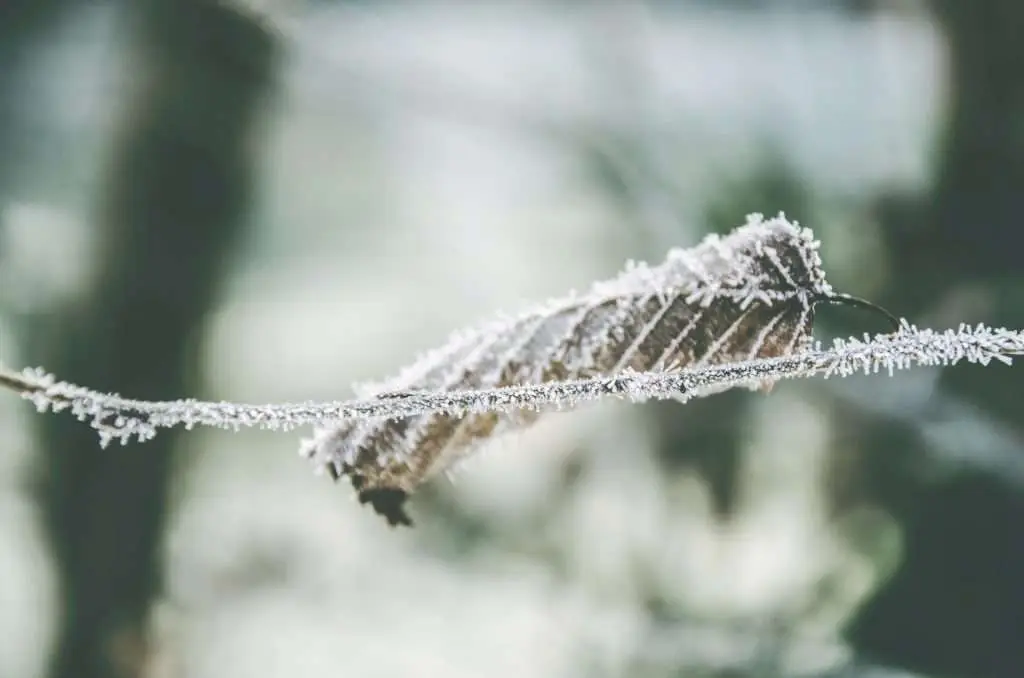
(23, 23)
(175, 204)
(953, 608)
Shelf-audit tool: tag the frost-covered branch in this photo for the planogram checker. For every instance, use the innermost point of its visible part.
(115, 417)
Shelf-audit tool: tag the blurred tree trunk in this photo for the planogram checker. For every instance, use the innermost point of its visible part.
(22, 24)
(954, 606)
(175, 204)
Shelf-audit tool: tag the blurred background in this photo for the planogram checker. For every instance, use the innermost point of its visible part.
(269, 200)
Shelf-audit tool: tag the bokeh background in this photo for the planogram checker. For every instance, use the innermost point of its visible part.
(267, 201)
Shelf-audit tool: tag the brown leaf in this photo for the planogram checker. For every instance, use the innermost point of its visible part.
(750, 294)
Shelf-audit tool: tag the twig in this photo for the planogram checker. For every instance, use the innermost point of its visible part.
(123, 418)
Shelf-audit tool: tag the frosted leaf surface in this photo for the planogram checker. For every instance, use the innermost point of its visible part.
(748, 294)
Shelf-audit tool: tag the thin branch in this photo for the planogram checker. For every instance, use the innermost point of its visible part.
(22, 383)
(120, 418)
